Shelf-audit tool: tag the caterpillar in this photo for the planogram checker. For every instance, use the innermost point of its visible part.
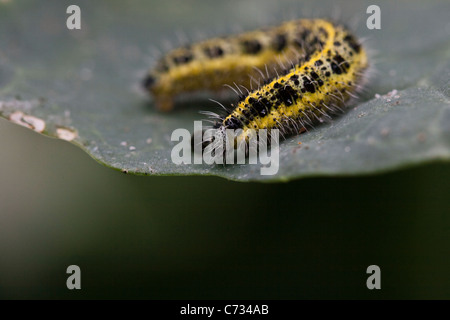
(328, 70)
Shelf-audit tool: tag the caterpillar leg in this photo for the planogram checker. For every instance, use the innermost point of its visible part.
(164, 103)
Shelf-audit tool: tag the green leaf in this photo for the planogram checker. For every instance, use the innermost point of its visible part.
(84, 85)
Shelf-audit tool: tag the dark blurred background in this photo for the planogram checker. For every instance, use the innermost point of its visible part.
(205, 237)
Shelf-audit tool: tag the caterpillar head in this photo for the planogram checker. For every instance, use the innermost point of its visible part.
(149, 81)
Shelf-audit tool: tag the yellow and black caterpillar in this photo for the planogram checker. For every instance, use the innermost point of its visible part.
(327, 67)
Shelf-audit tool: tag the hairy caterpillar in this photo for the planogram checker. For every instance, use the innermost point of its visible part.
(329, 69)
